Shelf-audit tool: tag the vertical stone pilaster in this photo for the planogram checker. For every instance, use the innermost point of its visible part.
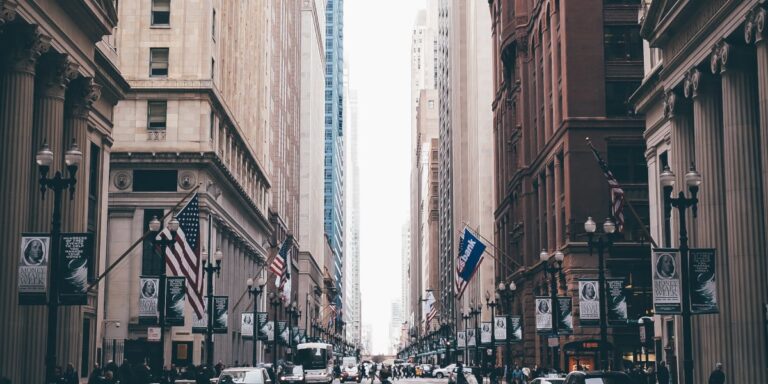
(755, 27)
(744, 209)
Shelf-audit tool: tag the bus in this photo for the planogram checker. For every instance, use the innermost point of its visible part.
(317, 361)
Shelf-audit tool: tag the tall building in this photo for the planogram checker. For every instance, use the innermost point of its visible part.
(704, 99)
(311, 236)
(563, 72)
(59, 83)
(395, 325)
(405, 264)
(197, 115)
(334, 139)
(354, 309)
(367, 340)
(466, 184)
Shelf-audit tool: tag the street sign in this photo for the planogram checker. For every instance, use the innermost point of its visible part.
(153, 334)
(553, 341)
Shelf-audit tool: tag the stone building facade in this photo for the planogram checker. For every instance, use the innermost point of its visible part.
(562, 72)
(58, 85)
(704, 96)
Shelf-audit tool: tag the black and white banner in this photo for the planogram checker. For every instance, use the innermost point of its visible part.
(702, 281)
(295, 335)
(261, 325)
(667, 293)
(471, 338)
(589, 303)
(616, 302)
(33, 268)
(500, 328)
(269, 330)
(246, 325)
(565, 318)
(175, 299)
(515, 329)
(76, 251)
(220, 315)
(282, 330)
(303, 333)
(485, 333)
(461, 339)
(543, 314)
(148, 299)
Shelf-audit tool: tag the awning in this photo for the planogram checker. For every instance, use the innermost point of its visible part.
(590, 345)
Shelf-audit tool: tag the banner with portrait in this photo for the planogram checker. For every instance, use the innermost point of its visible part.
(667, 293)
(565, 318)
(461, 339)
(246, 325)
(261, 325)
(269, 330)
(76, 252)
(220, 315)
(702, 281)
(149, 287)
(616, 302)
(543, 314)
(471, 338)
(500, 328)
(33, 268)
(175, 299)
(515, 329)
(282, 331)
(589, 303)
(485, 332)
(200, 325)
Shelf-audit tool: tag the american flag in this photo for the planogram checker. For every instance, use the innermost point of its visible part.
(431, 307)
(183, 257)
(280, 263)
(332, 316)
(617, 193)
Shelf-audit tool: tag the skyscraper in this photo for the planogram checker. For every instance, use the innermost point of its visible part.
(353, 311)
(334, 139)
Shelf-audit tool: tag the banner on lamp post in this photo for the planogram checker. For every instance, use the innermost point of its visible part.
(471, 338)
(485, 333)
(565, 320)
(589, 303)
(200, 325)
(261, 325)
(220, 315)
(269, 329)
(246, 325)
(461, 339)
(76, 251)
(616, 301)
(500, 328)
(282, 331)
(33, 268)
(702, 281)
(515, 329)
(175, 299)
(148, 299)
(543, 314)
(667, 294)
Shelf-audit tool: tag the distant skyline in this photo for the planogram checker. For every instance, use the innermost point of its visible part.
(378, 43)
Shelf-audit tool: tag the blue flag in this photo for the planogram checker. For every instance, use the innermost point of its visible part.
(471, 251)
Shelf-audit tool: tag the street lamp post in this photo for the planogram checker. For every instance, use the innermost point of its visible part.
(554, 266)
(682, 203)
(601, 241)
(44, 159)
(505, 291)
(293, 311)
(255, 291)
(210, 268)
(492, 305)
(162, 242)
(475, 312)
(276, 301)
(466, 317)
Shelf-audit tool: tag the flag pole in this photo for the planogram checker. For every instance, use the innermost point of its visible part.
(477, 233)
(139, 241)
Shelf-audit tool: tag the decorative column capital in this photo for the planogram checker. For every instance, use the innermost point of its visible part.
(54, 74)
(27, 43)
(7, 12)
(754, 24)
(83, 93)
(718, 59)
(691, 83)
(670, 101)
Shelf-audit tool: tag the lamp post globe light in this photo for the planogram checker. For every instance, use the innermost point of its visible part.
(601, 241)
(492, 306)
(692, 180)
(161, 243)
(255, 289)
(58, 183)
(554, 265)
(276, 301)
(210, 267)
(505, 292)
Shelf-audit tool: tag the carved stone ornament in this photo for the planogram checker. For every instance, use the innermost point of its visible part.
(122, 180)
(55, 72)
(7, 12)
(754, 25)
(692, 83)
(187, 179)
(670, 98)
(718, 59)
(85, 92)
(27, 43)
(759, 19)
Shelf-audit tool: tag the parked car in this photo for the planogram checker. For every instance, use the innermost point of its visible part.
(467, 374)
(597, 377)
(244, 376)
(349, 372)
(292, 375)
(550, 379)
(424, 370)
(447, 370)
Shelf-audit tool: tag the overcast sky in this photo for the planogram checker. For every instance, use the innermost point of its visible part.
(377, 43)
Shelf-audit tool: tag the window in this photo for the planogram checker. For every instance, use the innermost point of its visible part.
(156, 114)
(617, 95)
(161, 12)
(154, 180)
(212, 126)
(93, 186)
(158, 62)
(431, 104)
(213, 25)
(623, 43)
(151, 262)
(213, 68)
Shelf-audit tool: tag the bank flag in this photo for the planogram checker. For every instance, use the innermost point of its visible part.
(702, 281)
(470, 256)
(589, 303)
(543, 314)
(183, 257)
(667, 294)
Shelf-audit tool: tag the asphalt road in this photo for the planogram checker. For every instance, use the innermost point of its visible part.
(403, 381)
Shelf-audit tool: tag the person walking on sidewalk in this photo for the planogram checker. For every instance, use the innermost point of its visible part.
(717, 376)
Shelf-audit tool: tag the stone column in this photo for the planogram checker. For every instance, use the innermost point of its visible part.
(712, 332)
(744, 210)
(559, 240)
(22, 46)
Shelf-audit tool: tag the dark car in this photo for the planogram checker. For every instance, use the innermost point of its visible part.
(598, 377)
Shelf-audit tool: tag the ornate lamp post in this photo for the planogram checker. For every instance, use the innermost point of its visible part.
(44, 159)
(293, 313)
(505, 292)
(601, 241)
(475, 311)
(554, 266)
(162, 243)
(210, 268)
(682, 203)
(492, 306)
(276, 301)
(255, 291)
(466, 317)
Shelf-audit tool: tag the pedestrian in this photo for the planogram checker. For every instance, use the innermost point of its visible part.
(96, 375)
(662, 374)
(717, 376)
(373, 373)
(109, 378)
(219, 367)
(124, 373)
(460, 378)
